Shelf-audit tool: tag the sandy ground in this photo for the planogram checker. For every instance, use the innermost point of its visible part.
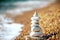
(49, 22)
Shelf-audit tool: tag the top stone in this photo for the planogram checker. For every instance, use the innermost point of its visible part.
(35, 14)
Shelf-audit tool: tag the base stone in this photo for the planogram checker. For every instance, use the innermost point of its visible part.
(33, 38)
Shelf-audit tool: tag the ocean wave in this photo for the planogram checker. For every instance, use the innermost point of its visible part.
(19, 7)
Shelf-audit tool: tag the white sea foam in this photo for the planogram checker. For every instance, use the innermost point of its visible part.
(9, 30)
(27, 6)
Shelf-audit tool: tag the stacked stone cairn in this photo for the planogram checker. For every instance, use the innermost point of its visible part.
(35, 28)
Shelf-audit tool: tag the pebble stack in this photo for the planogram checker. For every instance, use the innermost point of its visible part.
(35, 28)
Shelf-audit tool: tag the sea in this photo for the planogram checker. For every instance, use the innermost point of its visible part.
(19, 6)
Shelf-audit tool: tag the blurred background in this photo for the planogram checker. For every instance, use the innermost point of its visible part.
(19, 6)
